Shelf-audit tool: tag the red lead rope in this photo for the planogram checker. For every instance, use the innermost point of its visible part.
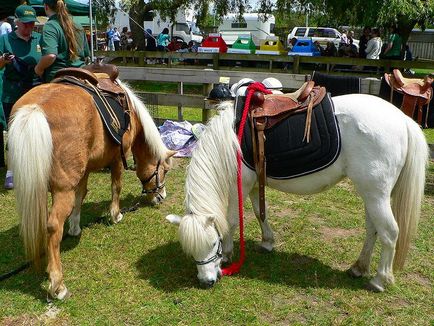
(235, 267)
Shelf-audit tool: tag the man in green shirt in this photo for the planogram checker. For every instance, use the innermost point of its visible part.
(62, 45)
(19, 54)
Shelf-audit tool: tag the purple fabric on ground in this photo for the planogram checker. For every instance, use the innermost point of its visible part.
(178, 136)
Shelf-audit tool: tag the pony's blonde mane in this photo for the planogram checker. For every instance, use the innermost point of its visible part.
(152, 136)
(210, 176)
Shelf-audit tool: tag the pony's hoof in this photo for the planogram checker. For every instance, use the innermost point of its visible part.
(264, 248)
(117, 218)
(61, 294)
(371, 286)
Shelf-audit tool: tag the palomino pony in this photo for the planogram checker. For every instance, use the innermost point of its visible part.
(56, 139)
(383, 152)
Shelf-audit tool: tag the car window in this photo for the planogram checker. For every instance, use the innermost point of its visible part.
(300, 32)
(312, 32)
(329, 33)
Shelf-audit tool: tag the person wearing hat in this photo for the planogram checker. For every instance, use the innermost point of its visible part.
(19, 54)
(63, 42)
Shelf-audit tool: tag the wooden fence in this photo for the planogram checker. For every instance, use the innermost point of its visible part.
(295, 64)
(207, 77)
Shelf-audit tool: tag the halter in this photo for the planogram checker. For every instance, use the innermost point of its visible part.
(158, 185)
(217, 255)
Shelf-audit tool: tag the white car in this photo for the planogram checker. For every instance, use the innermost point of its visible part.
(320, 34)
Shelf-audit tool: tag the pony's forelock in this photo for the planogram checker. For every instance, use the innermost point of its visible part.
(195, 235)
(152, 136)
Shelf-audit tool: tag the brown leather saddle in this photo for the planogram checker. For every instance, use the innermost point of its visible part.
(267, 110)
(416, 92)
(111, 100)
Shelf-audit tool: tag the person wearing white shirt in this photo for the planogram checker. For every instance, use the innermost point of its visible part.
(5, 27)
(373, 47)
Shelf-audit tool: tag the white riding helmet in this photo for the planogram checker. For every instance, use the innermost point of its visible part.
(241, 82)
(272, 83)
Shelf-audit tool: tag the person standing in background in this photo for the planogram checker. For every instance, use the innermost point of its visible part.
(63, 43)
(394, 45)
(373, 48)
(364, 41)
(116, 39)
(5, 27)
(19, 54)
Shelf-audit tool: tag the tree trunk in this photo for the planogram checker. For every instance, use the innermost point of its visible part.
(137, 14)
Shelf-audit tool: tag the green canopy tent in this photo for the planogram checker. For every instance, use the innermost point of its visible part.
(75, 8)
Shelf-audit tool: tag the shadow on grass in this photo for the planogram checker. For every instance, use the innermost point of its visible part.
(12, 256)
(167, 268)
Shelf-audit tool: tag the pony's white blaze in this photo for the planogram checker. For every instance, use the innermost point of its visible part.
(383, 152)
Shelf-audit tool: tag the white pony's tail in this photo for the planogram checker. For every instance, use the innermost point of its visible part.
(30, 156)
(408, 191)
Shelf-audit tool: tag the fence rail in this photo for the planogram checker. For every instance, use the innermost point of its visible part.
(293, 63)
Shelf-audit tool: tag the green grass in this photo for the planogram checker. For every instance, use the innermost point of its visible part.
(135, 272)
(429, 134)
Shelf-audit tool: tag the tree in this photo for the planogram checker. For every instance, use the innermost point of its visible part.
(404, 14)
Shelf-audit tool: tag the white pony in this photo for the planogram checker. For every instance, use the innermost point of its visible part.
(383, 152)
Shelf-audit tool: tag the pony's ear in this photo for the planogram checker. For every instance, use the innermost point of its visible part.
(174, 219)
(210, 220)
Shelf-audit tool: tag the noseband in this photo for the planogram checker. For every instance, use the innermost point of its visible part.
(158, 185)
(217, 255)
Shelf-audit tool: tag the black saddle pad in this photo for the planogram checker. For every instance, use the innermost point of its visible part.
(115, 119)
(337, 85)
(287, 155)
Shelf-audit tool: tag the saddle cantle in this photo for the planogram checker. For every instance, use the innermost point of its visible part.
(111, 100)
(415, 92)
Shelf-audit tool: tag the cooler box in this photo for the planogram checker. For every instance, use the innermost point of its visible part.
(271, 45)
(212, 44)
(244, 44)
(305, 47)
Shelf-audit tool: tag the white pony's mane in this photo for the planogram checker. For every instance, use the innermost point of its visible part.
(152, 136)
(210, 176)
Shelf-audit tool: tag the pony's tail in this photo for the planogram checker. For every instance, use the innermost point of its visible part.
(30, 156)
(408, 191)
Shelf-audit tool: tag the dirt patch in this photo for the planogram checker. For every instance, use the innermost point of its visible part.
(330, 234)
(418, 278)
(50, 317)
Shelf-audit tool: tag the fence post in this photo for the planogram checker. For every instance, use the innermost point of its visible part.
(296, 64)
(141, 59)
(205, 111)
(180, 92)
(215, 61)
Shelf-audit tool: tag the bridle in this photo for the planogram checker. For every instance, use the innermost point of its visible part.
(158, 185)
(217, 255)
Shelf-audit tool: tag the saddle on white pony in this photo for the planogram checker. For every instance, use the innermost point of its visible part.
(267, 110)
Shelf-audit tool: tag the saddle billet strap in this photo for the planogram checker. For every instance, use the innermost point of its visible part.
(261, 165)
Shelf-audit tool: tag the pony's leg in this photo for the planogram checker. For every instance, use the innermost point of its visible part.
(116, 173)
(362, 265)
(63, 203)
(267, 233)
(74, 219)
(381, 216)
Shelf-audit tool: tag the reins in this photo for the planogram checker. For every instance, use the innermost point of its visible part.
(235, 267)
